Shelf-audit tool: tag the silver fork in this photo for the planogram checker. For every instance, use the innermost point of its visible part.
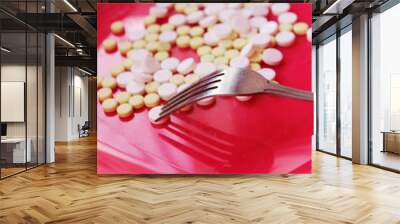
(230, 82)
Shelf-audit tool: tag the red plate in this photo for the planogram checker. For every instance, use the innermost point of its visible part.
(268, 134)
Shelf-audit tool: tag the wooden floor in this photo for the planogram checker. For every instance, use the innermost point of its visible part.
(69, 191)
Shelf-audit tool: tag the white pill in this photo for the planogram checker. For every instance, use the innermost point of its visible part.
(222, 30)
(210, 38)
(225, 16)
(154, 113)
(309, 34)
(206, 101)
(214, 8)
(158, 11)
(272, 56)
(138, 55)
(170, 64)
(247, 50)
(267, 73)
(260, 10)
(239, 62)
(279, 8)
(208, 21)
(285, 38)
(177, 19)
(195, 17)
(140, 76)
(269, 28)
(149, 64)
(168, 36)
(257, 21)
(186, 66)
(247, 13)
(287, 18)
(261, 40)
(240, 24)
(243, 98)
(162, 76)
(136, 34)
(124, 78)
(205, 68)
(135, 87)
(167, 90)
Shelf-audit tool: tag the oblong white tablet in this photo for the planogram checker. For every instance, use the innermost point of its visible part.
(186, 66)
(138, 55)
(258, 21)
(285, 38)
(261, 40)
(167, 90)
(210, 38)
(287, 18)
(195, 17)
(149, 64)
(248, 50)
(279, 8)
(260, 10)
(270, 27)
(240, 24)
(177, 19)
(239, 62)
(162, 76)
(135, 34)
(158, 11)
(272, 56)
(208, 21)
(124, 78)
(225, 16)
(168, 36)
(205, 68)
(170, 64)
(206, 101)
(140, 75)
(135, 88)
(267, 73)
(154, 113)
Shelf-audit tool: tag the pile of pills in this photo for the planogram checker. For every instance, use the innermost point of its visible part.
(222, 34)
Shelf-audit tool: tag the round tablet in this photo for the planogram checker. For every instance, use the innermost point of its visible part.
(240, 24)
(162, 46)
(247, 50)
(192, 78)
(267, 73)
(135, 88)
(152, 87)
(162, 76)
(222, 30)
(218, 51)
(124, 47)
(153, 28)
(177, 19)
(203, 50)
(161, 55)
(300, 28)
(195, 17)
(205, 68)
(239, 62)
(110, 45)
(149, 20)
(183, 41)
(125, 110)
(104, 93)
(139, 44)
(269, 28)
(285, 39)
(221, 60)
(149, 37)
(138, 55)
(136, 34)
(183, 30)
(99, 79)
(231, 54)
(152, 46)
(243, 98)
(167, 27)
(127, 63)
(261, 40)
(122, 97)
(136, 101)
(167, 90)
(208, 21)
(196, 31)
(177, 79)
(124, 78)
(255, 66)
(117, 28)
(116, 70)
(140, 76)
(186, 66)
(158, 11)
(168, 36)
(309, 34)
(207, 58)
(287, 18)
(206, 101)
(154, 113)
(210, 38)
(151, 100)
(196, 42)
(170, 64)
(149, 65)
(180, 7)
(109, 105)
(279, 8)
(225, 44)
(272, 56)
(190, 9)
(258, 21)
(109, 82)
(239, 43)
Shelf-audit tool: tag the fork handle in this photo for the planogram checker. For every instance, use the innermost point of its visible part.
(289, 92)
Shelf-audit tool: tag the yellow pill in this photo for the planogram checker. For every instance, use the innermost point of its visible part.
(110, 45)
(136, 101)
(151, 100)
(125, 110)
(183, 30)
(127, 63)
(196, 31)
(285, 27)
(167, 27)
(117, 28)
(163, 46)
(218, 51)
(153, 28)
(183, 41)
(152, 87)
(239, 43)
(256, 58)
(203, 50)
(207, 58)
(152, 46)
(139, 44)
(190, 9)
(149, 20)
(233, 53)
(180, 7)
(109, 82)
(221, 60)
(99, 79)
(225, 44)
(232, 36)
(151, 37)
(196, 42)
(192, 78)
(116, 70)
(104, 93)
(123, 97)
(300, 28)
(255, 66)
(177, 79)
(124, 47)
(109, 105)
(161, 55)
